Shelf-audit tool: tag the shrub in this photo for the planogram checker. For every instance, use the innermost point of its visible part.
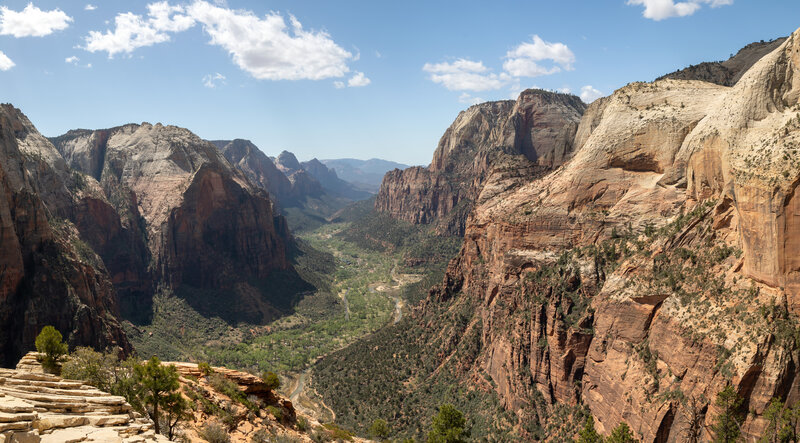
(91, 367)
(379, 429)
(214, 433)
(302, 424)
(49, 343)
(271, 380)
(275, 412)
(205, 368)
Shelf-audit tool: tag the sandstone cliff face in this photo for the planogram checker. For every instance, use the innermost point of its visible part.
(191, 218)
(653, 268)
(539, 127)
(47, 275)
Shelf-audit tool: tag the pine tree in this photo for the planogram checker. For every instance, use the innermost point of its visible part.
(726, 425)
(160, 389)
(588, 434)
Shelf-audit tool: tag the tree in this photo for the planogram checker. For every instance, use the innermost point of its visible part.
(159, 388)
(621, 434)
(176, 410)
(271, 380)
(125, 383)
(379, 429)
(694, 420)
(449, 426)
(782, 423)
(726, 425)
(588, 434)
(49, 343)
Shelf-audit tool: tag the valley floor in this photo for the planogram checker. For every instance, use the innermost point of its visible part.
(364, 294)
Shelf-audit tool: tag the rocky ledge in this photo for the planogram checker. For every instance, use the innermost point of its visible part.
(38, 407)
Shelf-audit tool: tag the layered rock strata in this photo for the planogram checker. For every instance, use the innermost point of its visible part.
(653, 268)
(38, 407)
(48, 275)
(538, 128)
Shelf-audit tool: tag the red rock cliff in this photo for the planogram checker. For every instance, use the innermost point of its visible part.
(656, 266)
(538, 127)
(47, 275)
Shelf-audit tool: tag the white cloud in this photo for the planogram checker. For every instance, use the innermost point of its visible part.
(268, 49)
(590, 94)
(72, 60)
(339, 85)
(358, 80)
(133, 31)
(661, 9)
(565, 90)
(468, 99)
(212, 80)
(32, 21)
(5, 62)
(465, 75)
(522, 61)
(90, 7)
(265, 47)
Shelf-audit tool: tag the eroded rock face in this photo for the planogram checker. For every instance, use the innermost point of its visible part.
(539, 127)
(654, 267)
(46, 276)
(187, 217)
(258, 168)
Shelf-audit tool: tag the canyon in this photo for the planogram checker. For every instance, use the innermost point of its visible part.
(647, 267)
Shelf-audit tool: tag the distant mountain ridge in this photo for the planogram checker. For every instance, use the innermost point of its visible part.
(364, 174)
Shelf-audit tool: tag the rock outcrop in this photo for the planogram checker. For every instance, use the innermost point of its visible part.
(537, 131)
(48, 276)
(259, 168)
(728, 72)
(652, 269)
(37, 407)
(204, 224)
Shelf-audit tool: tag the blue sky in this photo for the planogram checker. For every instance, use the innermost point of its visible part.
(359, 78)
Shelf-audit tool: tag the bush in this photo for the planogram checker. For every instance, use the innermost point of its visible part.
(271, 380)
(90, 367)
(205, 368)
(379, 429)
(302, 424)
(49, 343)
(214, 433)
(275, 412)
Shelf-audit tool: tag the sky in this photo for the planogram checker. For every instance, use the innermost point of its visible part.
(346, 78)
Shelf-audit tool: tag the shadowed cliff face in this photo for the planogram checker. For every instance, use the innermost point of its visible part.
(185, 215)
(47, 276)
(538, 129)
(654, 267)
